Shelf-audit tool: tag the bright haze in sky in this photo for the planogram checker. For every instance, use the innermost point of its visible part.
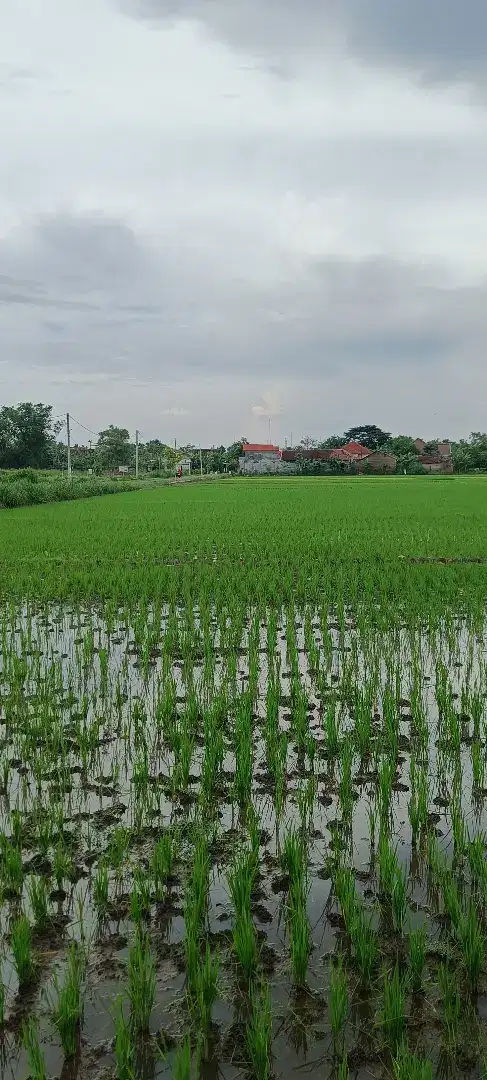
(216, 212)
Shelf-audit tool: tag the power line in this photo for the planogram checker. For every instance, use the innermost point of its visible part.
(78, 422)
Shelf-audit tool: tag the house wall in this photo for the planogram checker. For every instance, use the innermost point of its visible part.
(445, 466)
(263, 464)
(379, 461)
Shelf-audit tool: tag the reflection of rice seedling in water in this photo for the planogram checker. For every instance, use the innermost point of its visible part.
(259, 1032)
(409, 1067)
(399, 899)
(417, 956)
(338, 1002)
(393, 1017)
(141, 981)
(299, 933)
(2, 1003)
(124, 1049)
(35, 1057)
(21, 941)
(68, 1009)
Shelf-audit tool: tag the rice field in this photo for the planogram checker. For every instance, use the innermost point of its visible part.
(243, 782)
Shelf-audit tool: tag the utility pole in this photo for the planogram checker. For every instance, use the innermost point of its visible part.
(201, 462)
(136, 455)
(69, 445)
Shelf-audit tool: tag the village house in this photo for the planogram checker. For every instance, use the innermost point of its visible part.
(438, 462)
(259, 459)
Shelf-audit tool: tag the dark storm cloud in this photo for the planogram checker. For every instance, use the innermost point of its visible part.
(96, 297)
(440, 40)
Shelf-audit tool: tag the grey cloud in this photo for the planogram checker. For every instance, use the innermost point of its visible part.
(173, 313)
(440, 40)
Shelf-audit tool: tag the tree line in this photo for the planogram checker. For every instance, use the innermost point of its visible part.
(29, 438)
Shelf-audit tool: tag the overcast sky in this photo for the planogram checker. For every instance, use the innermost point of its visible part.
(216, 212)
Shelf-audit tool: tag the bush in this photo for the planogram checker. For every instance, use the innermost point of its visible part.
(23, 490)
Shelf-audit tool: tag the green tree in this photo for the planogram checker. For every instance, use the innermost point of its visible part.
(402, 446)
(333, 442)
(27, 436)
(368, 435)
(114, 448)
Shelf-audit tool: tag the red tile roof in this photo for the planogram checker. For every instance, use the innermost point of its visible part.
(260, 448)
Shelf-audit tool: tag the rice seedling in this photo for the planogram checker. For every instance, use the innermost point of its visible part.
(452, 1005)
(124, 1048)
(471, 939)
(409, 1067)
(204, 993)
(338, 1003)
(393, 1015)
(141, 982)
(259, 1031)
(39, 901)
(417, 957)
(67, 1011)
(364, 943)
(35, 1057)
(184, 1067)
(23, 957)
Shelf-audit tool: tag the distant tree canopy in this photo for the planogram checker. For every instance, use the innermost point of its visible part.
(27, 436)
(114, 448)
(368, 435)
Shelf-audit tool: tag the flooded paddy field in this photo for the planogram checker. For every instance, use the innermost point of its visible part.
(243, 821)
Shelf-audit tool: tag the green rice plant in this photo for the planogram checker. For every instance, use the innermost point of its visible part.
(141, 982)
(364, 943)
(140, 897)
(343, 1072)
(476, 851)
(205, 992)
(258, 1034)
(62, 865)
(118, 847)
(294, 856)
(478, 766)
(452, 1004)
(241, 880)
(39, 901)
(35, 1057)
(347, 896)
(459, 830)
(417, 956)
(21, 942)
(245, 944)
(471, 939)
(68, 1009)
(338, 1003)
(100, 889)
(388, 865)
(393, 1015)
(184, 1067)
(451, 899)
(409, 1067)
(11, 869)
(124, 1048)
